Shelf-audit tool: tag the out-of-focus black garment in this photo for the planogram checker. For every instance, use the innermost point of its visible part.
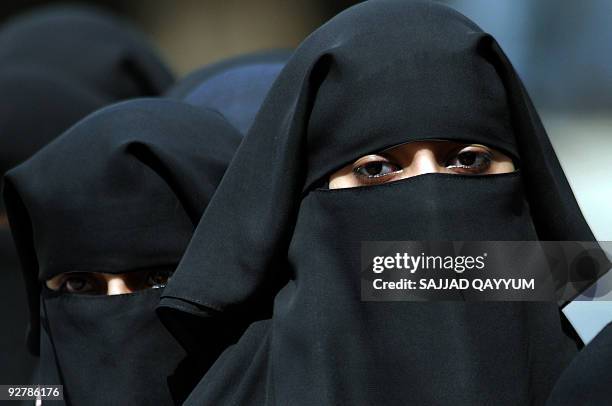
(275, 240)
(235, 87)
(119, 192)
(98, 50)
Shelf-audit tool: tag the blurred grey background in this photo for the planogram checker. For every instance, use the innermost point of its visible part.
(561, 48)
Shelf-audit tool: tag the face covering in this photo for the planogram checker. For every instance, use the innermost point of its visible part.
(17, 363)
(86, 45)
(380, 74)
(235, 87)
(129, 185)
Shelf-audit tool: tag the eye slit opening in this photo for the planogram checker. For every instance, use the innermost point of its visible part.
(75, 283)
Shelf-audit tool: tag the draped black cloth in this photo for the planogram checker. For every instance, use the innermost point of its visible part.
(235, 87)
(275, 242)
(119, 192)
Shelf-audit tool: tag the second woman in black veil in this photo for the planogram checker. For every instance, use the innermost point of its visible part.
(275, 239)
(118, 195)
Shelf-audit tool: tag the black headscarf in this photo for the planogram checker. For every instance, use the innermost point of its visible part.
(380, 74)
(89, 46)
(235, 87)
(121, 191)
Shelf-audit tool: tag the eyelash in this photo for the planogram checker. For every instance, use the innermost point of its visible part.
(484, 156)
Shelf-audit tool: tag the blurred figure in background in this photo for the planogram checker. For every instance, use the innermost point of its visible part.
(106, 236)
(234, 87)
(96, 50)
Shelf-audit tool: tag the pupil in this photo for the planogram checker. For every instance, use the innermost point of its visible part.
(76, 284)
(467, 158)
(374, 168)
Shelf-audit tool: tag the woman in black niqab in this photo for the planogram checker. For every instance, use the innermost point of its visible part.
(118, 193)
(380, 74)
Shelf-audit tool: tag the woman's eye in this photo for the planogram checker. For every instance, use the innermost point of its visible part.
(158, 279)
(77, 284)
(470, 161)
(376, 169)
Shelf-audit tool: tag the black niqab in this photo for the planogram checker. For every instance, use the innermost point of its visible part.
(379, 74)
(119, 192)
